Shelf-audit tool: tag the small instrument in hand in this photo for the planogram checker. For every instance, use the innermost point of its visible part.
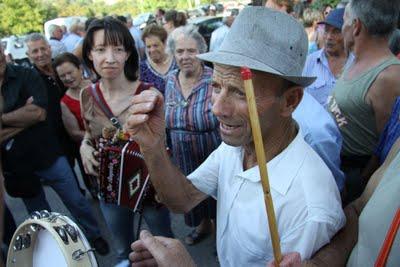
(123, 175)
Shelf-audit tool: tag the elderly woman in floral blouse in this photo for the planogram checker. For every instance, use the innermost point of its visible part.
(158, 64)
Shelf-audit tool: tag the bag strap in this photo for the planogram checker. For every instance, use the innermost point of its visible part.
(102, 104)
(387, 244)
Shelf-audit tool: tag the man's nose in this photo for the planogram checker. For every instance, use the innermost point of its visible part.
(221, 105)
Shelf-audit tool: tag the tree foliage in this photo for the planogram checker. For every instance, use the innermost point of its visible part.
(23, 16)
(320, 4)
(19, 17)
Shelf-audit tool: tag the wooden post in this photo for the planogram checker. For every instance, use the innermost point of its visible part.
(259, 147)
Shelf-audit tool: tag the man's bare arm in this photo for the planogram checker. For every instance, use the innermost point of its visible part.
(71, 124)
(382, 95)
(24, 117)
(173, 188)
(146, 124)
(9, 132)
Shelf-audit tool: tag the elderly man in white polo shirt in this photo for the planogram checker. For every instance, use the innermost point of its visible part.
(306, 198)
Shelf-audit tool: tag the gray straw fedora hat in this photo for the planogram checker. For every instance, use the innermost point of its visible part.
(265, 40)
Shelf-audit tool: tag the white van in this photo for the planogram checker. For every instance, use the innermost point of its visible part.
(15, 47)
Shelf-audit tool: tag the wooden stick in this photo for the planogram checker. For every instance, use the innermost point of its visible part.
(259, 147)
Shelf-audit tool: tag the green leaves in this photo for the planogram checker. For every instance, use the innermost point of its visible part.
(319, 4)
(24, 16)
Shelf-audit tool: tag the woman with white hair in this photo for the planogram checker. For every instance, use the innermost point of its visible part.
(193, 131)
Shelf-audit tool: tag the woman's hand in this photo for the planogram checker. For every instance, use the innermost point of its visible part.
(89, 158)
(146, 121)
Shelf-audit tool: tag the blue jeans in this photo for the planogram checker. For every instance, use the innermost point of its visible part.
(120, 221)
(61, 178)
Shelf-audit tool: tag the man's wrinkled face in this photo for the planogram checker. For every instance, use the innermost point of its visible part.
(230, 105)
(333, 40)
(185, 54)
(39, 53)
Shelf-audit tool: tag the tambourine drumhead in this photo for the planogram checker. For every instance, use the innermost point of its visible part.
(54, 240)
(47, 252)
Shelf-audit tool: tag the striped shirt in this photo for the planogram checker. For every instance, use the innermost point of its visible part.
(317, 66)
(192, 128)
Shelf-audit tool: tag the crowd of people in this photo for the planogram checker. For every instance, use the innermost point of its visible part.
(327, 90)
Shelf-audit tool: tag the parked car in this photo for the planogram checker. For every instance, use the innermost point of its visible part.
(15, 48)
(206, 25)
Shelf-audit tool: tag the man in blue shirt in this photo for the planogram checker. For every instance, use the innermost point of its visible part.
(328, 63)
(320, 131)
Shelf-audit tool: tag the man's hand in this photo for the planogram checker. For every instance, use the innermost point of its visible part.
(7, 133)
(292, 259)
(159, 251)
(89, 161)
(146, 122)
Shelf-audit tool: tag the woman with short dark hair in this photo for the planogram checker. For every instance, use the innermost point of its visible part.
(109, 50)
(155, 68)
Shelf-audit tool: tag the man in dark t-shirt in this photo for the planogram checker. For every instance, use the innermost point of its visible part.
(31, 147)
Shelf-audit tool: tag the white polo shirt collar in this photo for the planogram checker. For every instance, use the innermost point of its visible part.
(280, 174)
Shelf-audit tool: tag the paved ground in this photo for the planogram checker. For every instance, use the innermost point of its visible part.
(203, 253)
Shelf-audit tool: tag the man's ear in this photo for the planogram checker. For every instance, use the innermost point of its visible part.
(290, 99)
(357, 26)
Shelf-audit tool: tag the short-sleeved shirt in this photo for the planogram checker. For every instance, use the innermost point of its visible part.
(321, 133)
(306, 201)
(150, 75)
(54, 95)
(54, 114)
(57, 47)
(192, 127)
(137, 37)
(317, 66)
(37, 146)
(71, 41)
